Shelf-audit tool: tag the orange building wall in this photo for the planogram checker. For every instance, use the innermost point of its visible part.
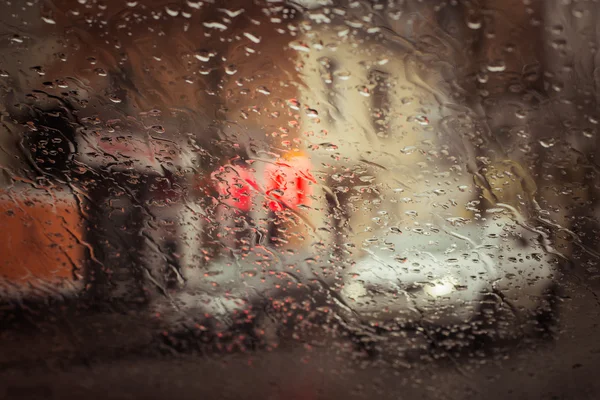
(39, 233)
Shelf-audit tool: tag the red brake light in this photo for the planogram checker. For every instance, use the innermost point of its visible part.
(288, 182)
(235, 185)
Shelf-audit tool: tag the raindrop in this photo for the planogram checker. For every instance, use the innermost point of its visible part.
(367, 178)
(521, 113)
(587, 133)
(293, 104)
(172, 11)
(252, 38)
(230, 69)
(312, 113)
(298, 46)
(329, 146)
(364, 91)
(203, 55)
(343, 32)
(342, 75)
(114, 98)
(547, 143)
(230, 13)
(422, 120)
(559, 44)
(474, 21)
(39, 70)
(215, 25)
(496, 66)
(49, 20)
(263, 90)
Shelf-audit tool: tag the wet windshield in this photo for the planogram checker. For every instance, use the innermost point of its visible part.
(299, 199)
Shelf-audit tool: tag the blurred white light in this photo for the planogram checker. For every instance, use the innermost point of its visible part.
(355, 290)
(439, 288)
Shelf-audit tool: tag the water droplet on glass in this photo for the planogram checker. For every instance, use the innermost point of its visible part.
(422, 120)
(521, 113)
(40, 70)
(496, 66)
(299, 46)
(312, 113)
(49, 20)
(366, 178)
(230, 69)
(364, 91)
(343, 32)
(293, 104)
(230, 13)
(215, 25)
(172, 11)
(263, 90)
(342, 75)
(547, 143)
(203, 55)
(408, 150)
(252, 38)
(329, 146)
(588, 133)
(474, 21)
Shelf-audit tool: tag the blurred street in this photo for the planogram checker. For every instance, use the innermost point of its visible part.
(119, 357)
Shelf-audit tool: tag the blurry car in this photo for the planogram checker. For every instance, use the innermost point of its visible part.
(492, 279)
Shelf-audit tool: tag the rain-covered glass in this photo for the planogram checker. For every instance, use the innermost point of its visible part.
(310, 199)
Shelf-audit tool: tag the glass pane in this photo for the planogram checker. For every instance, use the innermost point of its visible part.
(299, 199)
